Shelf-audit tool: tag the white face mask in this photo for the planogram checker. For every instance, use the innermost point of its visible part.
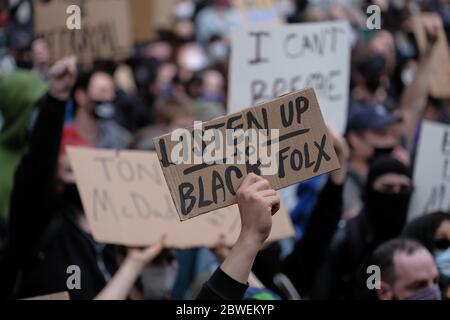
(442, 259)
(158, 281)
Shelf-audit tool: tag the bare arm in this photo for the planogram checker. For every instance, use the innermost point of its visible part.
(257, 203)
(123, 281)
(415, 96)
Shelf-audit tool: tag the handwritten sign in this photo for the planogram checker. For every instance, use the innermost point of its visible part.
(269, 62)
(440, 81)
(431, 171)
(127, 202)
(301, 150)
(105, 28)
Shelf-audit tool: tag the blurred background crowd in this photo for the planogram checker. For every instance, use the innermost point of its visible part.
(342, 225)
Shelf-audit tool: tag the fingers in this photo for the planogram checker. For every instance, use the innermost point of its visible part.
(249, 180)
(153, 251)
(65, 65)
(272, 197)
(274, 202)
(268, 193)
(260, 185)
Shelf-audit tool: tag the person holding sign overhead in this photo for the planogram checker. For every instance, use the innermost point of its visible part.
(258, 202)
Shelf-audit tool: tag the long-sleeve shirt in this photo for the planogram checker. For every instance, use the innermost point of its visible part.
(221, 286)
(302, 264)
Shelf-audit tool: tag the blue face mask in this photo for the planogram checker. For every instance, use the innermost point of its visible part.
(432, 293)
(442, 259)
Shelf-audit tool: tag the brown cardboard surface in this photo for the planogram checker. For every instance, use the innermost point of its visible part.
(127, 202)
(305, 148)
(440, 81)
(142, 13)
(105, 28)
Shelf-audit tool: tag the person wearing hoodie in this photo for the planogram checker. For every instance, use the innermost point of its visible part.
(386, 201)
(20, 90)
(433, 231)
(258, 202)
(49, 235)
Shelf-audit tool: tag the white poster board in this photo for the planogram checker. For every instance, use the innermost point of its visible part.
(268, 62)
(431, 171)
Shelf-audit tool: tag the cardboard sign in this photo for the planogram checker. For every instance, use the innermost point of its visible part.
(105, 28)
(53, 296)
(263, 12)
(303, 150)
(431, 171)
(127, 202)
(440, 81)
(142, 14)
(269, 62)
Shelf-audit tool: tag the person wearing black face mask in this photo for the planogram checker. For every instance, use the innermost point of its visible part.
(386, 199)
(370, 134)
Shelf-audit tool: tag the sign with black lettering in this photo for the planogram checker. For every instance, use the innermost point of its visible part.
(268, 62)
(127, 202)
(284, 140)
(104, 30)
(431, 171)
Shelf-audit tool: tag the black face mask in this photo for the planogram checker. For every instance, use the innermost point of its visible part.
(387, 213)
(71, 196)
(104, 110)
(381, 151)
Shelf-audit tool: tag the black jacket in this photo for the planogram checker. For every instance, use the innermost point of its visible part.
(44, 239)
(302, 264)
(222, 287)
(342, 275)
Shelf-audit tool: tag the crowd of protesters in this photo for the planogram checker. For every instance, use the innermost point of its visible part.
(345, 221)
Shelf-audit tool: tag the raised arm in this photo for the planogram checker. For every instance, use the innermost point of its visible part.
(32, 196)
(415, 96)
(303, 263)
(124, 279)
(257, 203)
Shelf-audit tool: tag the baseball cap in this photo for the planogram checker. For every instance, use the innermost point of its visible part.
(366, 117)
